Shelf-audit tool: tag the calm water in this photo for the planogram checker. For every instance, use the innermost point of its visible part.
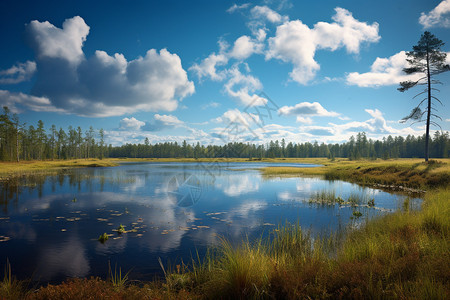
(49, 226)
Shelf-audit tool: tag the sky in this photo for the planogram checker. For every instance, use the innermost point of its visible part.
(218, 71)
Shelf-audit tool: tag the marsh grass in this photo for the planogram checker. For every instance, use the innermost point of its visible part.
(10, 287)
(400, 255)
(396, 174)
(116, 278)
(328, 197)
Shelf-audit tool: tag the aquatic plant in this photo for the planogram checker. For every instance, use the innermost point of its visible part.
(357, 214)
(371, 202)
(10, 287)
(103, 238)
(120, 229)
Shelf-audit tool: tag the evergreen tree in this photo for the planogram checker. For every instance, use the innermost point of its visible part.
(427, 59)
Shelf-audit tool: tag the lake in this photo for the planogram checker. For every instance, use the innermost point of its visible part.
(50, 225)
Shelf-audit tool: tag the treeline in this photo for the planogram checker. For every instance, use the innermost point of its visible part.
(21, 142)
(356, 148)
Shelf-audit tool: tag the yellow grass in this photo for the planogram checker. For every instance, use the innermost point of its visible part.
(413, 173)
(11, 169)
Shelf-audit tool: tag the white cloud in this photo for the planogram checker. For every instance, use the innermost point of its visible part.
(131, 124)
(377, 124)
(236, 7)
(102, 85)
(296, 43)
(161, 122)
(437, 17)
(52, 42)
(375, 127)
(384, 71)
(264, 12)
(18, 73)
(244, 47)
(207, 67)
(236, 116)
(305, 110)
(168, 120)
(15, 102)
(243, 87)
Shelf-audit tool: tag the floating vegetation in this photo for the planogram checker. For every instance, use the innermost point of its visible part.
(329, 198)
(357, 214)
(74, 200)
(120, 229)
(103, 238)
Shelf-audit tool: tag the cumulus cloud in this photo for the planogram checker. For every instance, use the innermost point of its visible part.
(208, 67)
(236, 116)
(305, 110)
(102, 85)
(18, 73)
(161, 122)
(264, 12)
(131, 124)
(243, 48)
(296, 43)
(243, 87)
(65, 43)
(16, 101)
(385, 71)
(437, 17)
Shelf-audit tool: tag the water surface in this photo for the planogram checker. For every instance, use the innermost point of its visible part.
(49, 225)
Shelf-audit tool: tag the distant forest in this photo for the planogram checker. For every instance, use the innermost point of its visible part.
(21, 142)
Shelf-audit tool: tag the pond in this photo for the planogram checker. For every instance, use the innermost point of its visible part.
(50, 225)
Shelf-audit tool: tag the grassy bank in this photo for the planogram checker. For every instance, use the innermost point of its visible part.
(401, 255)
(411, 173)
(13, 169)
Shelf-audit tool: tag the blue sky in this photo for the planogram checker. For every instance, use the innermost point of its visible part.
(217, 71)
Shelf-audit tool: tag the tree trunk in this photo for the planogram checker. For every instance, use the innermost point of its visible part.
(427, 134)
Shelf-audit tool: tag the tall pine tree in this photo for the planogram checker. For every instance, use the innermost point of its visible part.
(426, 58)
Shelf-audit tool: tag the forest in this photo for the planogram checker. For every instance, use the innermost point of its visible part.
(20, 142)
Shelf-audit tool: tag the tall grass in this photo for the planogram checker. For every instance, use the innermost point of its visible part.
(10, 287)
(401, 255)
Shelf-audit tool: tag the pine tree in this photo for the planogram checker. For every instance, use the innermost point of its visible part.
(427, 59)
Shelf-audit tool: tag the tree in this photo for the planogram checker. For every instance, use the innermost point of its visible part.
(426, 58)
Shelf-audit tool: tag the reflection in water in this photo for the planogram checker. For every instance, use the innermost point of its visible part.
(67, 258)
(51, 223)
